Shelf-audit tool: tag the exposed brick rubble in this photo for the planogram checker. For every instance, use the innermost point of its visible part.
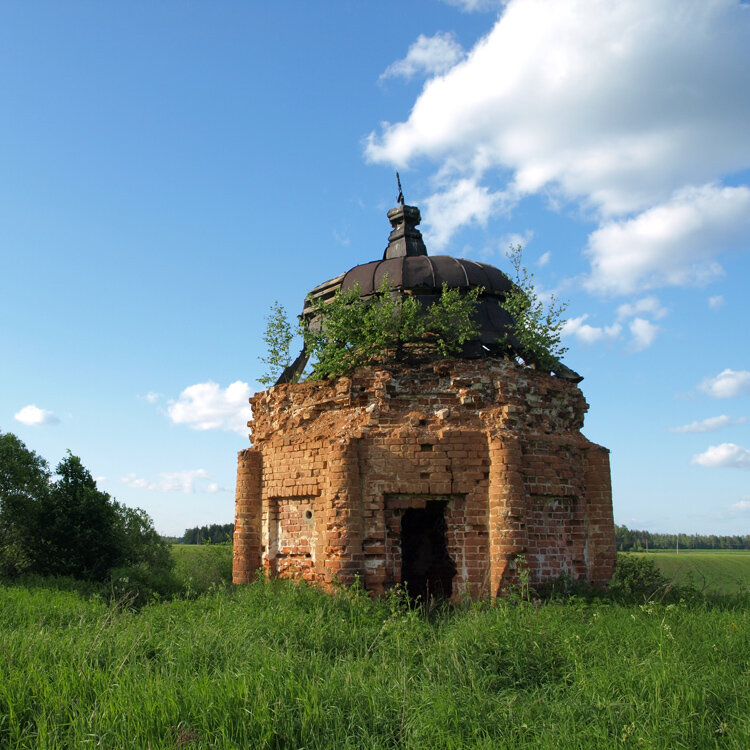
(491, 452)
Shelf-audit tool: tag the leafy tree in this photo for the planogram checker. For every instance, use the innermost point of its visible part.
(78, 525)
(349, 332)
(278, 338)
(537, 328)
(24, 483)
(68, 527)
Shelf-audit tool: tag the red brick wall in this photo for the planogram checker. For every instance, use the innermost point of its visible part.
(499, 443)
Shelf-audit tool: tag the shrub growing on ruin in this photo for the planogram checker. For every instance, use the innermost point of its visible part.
(349, 332)
(537, 327)
(278, 338)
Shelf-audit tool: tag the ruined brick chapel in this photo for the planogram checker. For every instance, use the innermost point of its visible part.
(447, 476)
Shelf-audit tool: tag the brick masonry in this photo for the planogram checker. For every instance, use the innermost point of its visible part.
(496, 448)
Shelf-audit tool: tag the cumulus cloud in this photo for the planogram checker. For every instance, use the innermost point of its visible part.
(716, 301)
(670, 244)
(429, 55)
(187, 481)
(726, 455)
(727, 384)
(707, 425)
(630, 109)
(33, 416)
(742, 505)
(649, 306)
(464, 202)
(643, 334)
(589, 334)
(207, 406)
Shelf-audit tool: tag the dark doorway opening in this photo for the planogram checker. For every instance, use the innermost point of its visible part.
(426, 567)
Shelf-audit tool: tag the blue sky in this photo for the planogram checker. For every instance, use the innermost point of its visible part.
(168, 170)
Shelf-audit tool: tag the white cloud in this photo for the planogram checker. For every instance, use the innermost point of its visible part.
(673, 243)
(512, 239)
(726, 455)
(626, 107)
(643, 334)
(716, 302)
(33, 416)
(471, 6)
(647, 306)
(727, 384)
(742, 505)
(589, 334)
(187, 481)
(464, 202)
(429, 55)
(544, 259)
(704, 425)
(152, 397)
(207, 406)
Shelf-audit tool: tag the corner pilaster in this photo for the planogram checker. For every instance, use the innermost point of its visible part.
(507, 510)
(246, 558)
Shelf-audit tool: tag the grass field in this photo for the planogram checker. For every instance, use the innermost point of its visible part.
(723, 571)
(280, 665)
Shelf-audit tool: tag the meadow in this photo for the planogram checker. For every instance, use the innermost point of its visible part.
(723, 571)
(282, 665)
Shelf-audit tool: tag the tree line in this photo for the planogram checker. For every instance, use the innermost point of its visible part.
(635, 539)
(216, 533)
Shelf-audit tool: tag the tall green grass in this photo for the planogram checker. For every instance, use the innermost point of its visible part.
(200, 568)
(282, 665)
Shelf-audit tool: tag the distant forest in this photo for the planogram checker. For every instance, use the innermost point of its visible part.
(215, 534)
(633, 539)
(627, 539)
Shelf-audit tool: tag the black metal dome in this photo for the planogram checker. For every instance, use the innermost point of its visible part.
(426, 273)
(422, 276)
